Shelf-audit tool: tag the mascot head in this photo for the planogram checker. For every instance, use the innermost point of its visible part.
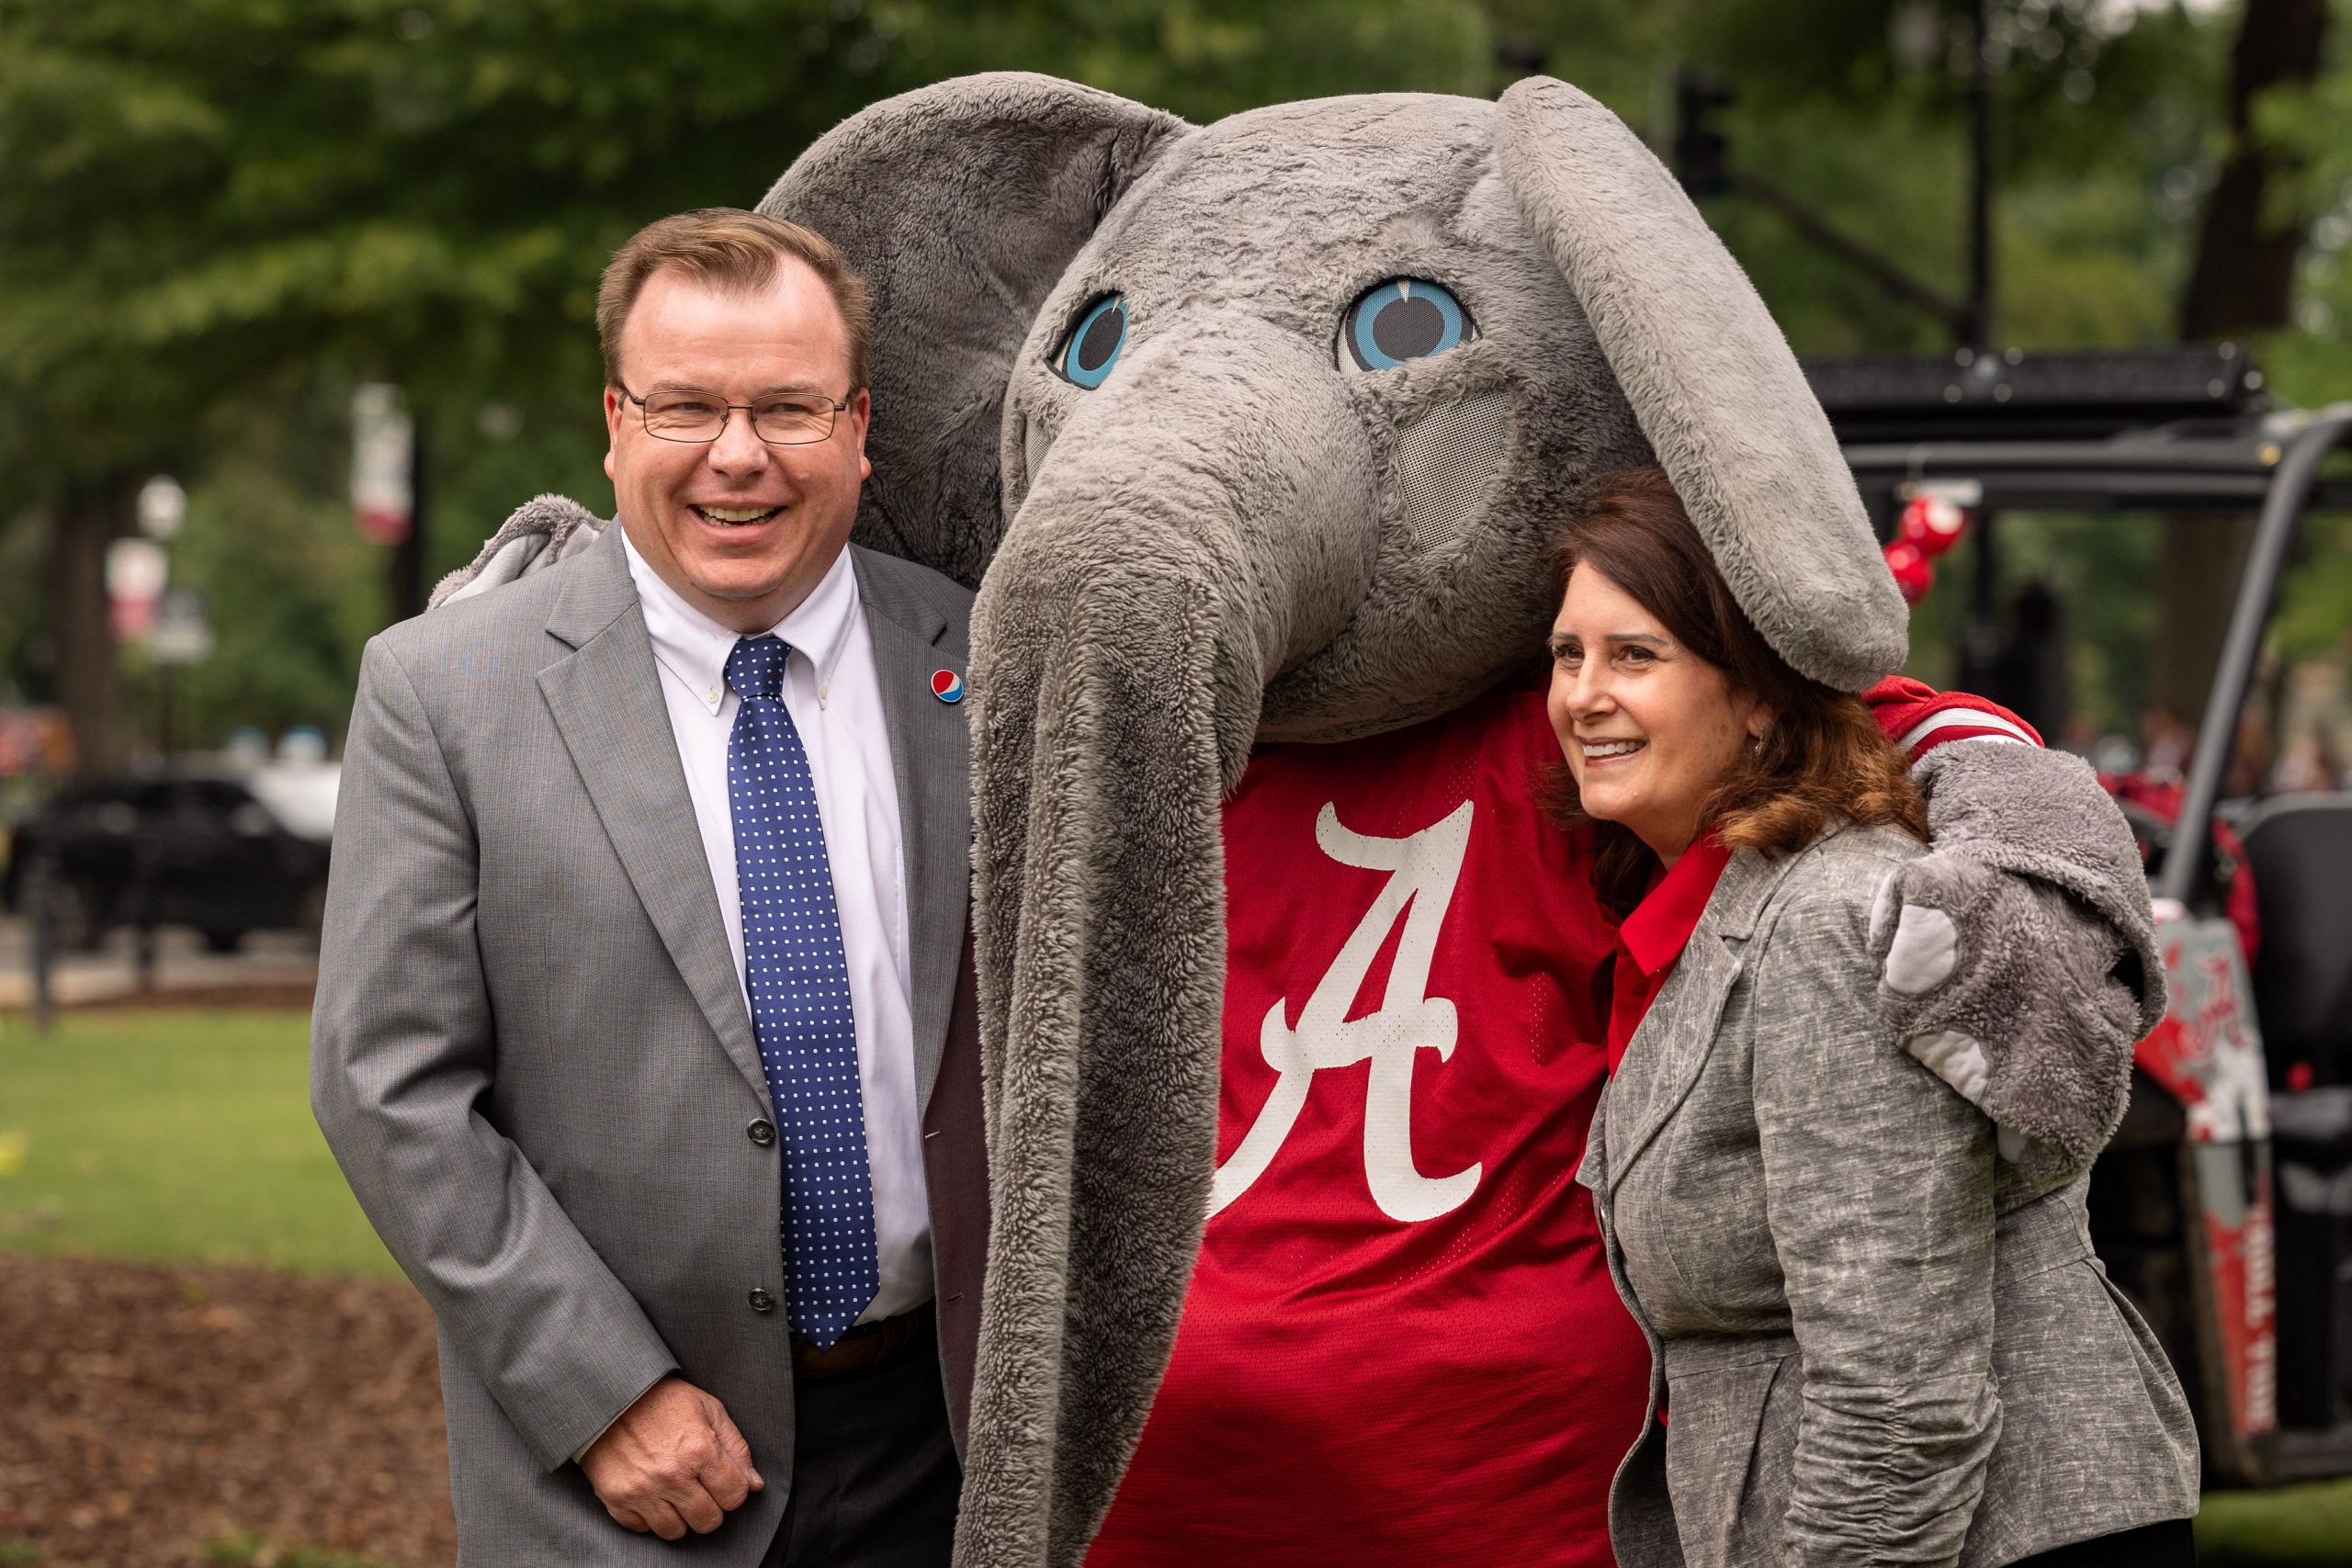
(1331, 368)
(1254, 431)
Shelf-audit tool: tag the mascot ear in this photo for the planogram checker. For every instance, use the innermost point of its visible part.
(961, 204)
(1711, 382)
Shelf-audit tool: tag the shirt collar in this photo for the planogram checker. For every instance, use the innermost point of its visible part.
(694, 648)
(1658, 930)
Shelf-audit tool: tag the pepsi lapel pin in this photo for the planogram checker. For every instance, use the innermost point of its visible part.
(947, 685)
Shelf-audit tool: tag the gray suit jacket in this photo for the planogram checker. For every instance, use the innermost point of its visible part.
(532, 1056)
(1876, 1342)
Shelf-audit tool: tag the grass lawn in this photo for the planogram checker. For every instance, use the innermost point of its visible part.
(173, 1136)
(2305, 1525)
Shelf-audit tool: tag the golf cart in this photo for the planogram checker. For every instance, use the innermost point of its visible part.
(2224, 1205)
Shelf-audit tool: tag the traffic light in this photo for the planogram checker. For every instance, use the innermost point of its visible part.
(1700, 98)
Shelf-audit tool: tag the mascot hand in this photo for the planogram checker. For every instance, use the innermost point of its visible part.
(543, 531)
(2018, 958)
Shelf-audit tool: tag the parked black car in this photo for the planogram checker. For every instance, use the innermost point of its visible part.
(224, 855)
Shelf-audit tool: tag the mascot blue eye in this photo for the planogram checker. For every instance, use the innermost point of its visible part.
(1405, 318)
(1093, 345)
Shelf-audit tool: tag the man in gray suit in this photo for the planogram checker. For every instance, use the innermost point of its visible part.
(645, 948)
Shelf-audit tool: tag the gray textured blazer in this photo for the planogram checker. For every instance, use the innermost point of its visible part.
(532, 1059)
(1875, 1342)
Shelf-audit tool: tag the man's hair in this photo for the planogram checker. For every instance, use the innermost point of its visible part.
(1825, 756)
(735, 252)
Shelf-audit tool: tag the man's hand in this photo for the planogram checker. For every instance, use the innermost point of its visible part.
(672, 1463)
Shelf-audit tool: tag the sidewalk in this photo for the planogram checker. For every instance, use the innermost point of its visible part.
(269, 961)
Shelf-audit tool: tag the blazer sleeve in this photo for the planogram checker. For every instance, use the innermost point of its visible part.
(1878, 1187)
(402, 1049)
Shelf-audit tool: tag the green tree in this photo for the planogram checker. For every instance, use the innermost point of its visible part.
(225, 208)
(220, 214)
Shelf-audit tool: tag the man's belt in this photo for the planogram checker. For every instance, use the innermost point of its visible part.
(868, 1347)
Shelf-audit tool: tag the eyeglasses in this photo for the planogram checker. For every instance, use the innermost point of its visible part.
(700, 418)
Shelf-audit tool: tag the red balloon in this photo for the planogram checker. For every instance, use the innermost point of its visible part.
(1914, 573)
(1933, 522)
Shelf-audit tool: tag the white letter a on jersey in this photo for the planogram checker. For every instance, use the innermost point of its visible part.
(1422, 870)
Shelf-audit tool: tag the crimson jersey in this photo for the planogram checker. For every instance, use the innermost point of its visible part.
(1401, 1345)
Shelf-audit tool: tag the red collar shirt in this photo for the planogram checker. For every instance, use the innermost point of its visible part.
(1653, 935)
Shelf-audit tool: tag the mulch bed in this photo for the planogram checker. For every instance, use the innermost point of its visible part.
(151, 1414)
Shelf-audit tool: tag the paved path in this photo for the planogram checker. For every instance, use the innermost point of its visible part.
(274, 961)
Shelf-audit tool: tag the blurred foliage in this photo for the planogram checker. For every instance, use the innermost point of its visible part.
(2102, 567)
(1205, 59)
(2316, 601)
(224, 213)
(2315, 361)
(208, 194)
(23, 634)
(295, 591)
(221, 214)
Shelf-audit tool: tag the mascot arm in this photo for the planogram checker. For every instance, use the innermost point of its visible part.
(2018, 957)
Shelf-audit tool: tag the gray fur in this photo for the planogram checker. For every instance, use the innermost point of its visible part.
(1128, 635)
(1719, 395)
(961, 204)
(2057, 971)
(1381, 627)
(1212, 549)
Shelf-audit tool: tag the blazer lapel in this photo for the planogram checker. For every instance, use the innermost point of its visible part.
(606, 702)
(1667, 1054)
(930, 752)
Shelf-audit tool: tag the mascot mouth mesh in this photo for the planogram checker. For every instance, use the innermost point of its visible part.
(1448, 467)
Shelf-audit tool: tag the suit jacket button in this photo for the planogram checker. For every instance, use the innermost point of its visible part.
(762, 1301)
(761, 1132)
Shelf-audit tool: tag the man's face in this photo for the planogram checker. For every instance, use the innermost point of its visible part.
(742, 529)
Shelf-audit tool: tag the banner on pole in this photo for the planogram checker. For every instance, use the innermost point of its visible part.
(137, 572)
(383, 448)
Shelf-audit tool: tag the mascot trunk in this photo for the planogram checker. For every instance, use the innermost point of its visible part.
(1253, 434)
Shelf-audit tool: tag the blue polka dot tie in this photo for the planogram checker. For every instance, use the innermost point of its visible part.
(800, 1004)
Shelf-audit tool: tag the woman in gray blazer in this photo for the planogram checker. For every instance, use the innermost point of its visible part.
(1873, 1340)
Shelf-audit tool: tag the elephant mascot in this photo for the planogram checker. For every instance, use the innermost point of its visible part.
(1251, 436)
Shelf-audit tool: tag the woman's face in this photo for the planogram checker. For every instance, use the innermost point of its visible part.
(1649, 728)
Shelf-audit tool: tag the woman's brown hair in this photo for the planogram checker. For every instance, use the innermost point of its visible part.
(1824, 757)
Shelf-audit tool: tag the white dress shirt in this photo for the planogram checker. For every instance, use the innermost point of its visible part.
(834, 695)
